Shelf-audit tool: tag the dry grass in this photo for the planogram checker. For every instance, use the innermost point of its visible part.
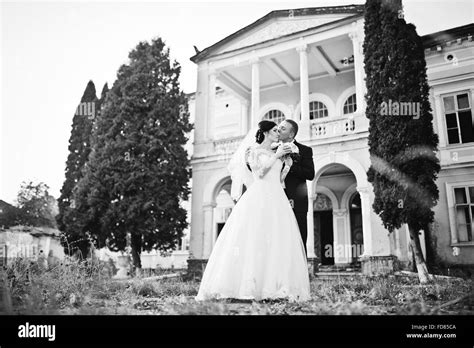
(75, 287)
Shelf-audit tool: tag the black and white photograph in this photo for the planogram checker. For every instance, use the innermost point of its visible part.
(245, 172)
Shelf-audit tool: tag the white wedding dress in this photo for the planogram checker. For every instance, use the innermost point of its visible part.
(259, 253)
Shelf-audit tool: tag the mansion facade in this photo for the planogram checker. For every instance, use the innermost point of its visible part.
(308, 65)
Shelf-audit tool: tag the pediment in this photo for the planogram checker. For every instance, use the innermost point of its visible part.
(278, 27)
(278, 24)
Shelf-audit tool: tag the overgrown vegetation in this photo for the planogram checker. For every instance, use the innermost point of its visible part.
(86, 287)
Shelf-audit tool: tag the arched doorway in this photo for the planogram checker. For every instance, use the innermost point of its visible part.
(323, 229)
(224, 206)
(357, 236)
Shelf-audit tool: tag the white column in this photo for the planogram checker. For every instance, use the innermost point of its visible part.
(310, 223)
(366, 208)
(357, 37)
(255, 93)
(244, 121)
(201, 104)
(304, 131)
(211, 105)
(207, 235)
(376, 237)
(342, 238)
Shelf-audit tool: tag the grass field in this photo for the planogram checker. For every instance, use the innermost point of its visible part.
(87, 288)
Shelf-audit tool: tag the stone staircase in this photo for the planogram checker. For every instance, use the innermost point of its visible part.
(333, 272)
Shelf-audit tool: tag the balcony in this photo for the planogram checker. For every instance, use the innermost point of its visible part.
(334, 128)
(337, 127)
(224, 148)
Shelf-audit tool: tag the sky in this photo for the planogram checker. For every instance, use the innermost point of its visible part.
(50, 50)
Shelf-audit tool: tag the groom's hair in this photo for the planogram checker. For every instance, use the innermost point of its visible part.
(294, 125)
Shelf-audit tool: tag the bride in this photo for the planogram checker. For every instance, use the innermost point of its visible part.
(259, 253)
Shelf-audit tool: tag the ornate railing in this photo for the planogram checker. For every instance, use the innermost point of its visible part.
(338, 127)
(226, 147)
(320, 129)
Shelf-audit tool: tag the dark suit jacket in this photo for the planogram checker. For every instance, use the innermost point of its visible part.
(295, 181)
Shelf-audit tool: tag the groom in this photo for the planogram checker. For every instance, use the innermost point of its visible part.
(295, 182)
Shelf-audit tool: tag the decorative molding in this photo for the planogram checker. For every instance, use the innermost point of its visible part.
(254, 60)
(322, 203)
(203, 66)
(209, 205)
(269, 48)
(320, 189)
(340, 212)
(364, 190)
(280, 28)
(353, 36)
(458, 89)
(302, 48)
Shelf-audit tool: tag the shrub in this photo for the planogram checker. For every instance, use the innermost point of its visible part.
(34, 290)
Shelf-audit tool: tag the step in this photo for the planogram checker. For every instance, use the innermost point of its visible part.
(335, 275)
(337, 269)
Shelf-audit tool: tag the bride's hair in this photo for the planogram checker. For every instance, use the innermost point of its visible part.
(263, 126)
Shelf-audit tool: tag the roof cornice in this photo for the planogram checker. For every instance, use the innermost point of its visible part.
(357, 10)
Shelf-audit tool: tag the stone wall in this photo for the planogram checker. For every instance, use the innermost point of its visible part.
(196, 268)
(378, 265)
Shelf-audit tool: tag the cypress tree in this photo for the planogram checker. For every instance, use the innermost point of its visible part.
(402, 142)
(137, 174)
(79, 149)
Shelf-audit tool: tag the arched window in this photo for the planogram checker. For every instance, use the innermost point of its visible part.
(317, 110)
(354, 202)
(355, 216)
(274, 115)
(350, 106)
(224, 206)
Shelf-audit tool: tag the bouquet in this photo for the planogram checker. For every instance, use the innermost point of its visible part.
(295, 151)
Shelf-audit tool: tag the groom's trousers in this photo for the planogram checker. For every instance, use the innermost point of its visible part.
(301, 217)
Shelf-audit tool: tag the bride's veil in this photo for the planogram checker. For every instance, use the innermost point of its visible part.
(239, 172)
